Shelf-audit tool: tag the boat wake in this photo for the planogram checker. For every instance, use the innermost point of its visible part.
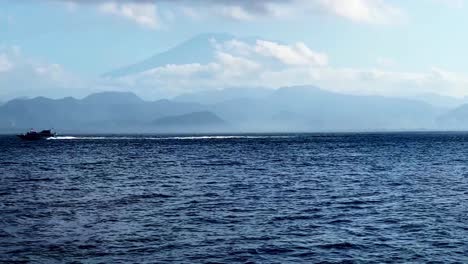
(79, 138)
(61, 138)
(163, 138)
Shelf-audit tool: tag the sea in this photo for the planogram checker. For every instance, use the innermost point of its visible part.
(247, 198)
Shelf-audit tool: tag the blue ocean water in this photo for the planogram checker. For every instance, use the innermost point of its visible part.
(299, 198)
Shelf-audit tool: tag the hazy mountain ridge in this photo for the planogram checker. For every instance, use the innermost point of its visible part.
(309, 108)
(441, 101)
(97, 112)
(288, 109)
(222, 95)
(455, 119)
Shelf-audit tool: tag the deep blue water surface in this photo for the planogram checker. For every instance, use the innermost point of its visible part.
(330, 198)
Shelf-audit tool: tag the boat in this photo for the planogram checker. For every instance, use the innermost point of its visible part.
(33, 135)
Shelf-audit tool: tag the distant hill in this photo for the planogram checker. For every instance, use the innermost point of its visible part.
(288, 109)
(116, 98)
(226, 94)
(342, 111)
(308, 108)
(440, 100)
(455, 119)
(102, 112)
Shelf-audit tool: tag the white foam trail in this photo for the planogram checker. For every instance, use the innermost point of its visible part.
(61, 138)
(75, 138)
(163, 138)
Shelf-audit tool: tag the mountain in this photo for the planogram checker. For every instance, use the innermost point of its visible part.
(40, 111)
(102, 112)
(287, 109)
(222, 95)
(455, 119)
(342, 111)
(308, 108)
(440, 100)
(119, 98)
(198, 49)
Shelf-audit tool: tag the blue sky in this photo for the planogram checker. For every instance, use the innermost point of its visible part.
(420, 44)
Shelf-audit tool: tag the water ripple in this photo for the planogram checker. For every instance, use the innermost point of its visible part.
(305, 198)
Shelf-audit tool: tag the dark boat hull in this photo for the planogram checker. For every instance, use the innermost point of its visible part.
(45, 134)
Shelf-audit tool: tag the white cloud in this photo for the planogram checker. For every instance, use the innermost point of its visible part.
(53, 72)
(235, 12)
(237, 67)
(174, 70)
(5, 64)
(24, 76)
(144, 13)
(297, 54)
(359, 11)
(234, 46)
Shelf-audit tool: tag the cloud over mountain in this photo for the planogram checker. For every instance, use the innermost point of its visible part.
(216, 61)
(229, 61)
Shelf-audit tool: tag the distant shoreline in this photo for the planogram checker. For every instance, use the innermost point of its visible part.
(162, 134)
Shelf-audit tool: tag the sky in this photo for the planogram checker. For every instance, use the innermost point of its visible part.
(60, 48)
